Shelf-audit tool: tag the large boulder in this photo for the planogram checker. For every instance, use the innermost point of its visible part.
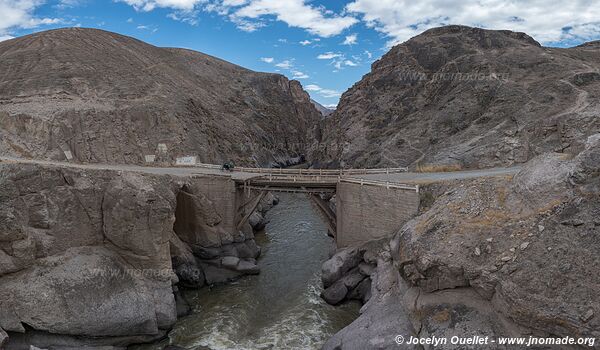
(88, 291)
(86, 253)
(382, 318)
(339, 264)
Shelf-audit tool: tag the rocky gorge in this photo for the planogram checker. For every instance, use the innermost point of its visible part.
(509, 257)
(98, 258)
(95, 258)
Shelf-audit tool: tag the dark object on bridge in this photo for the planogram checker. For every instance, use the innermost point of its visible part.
(228, 166)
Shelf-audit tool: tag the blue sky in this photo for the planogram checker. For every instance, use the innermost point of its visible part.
(326, 45)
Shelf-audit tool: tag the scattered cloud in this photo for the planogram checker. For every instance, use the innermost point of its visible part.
(330, 93)
(246, 26)
(6, 37)
(64, 4)
(329, 56)
(351, 39)
(189, 17)
(300, 75)
(295, 13)
(546, 21)
(338, 60)
(267, 59)
(369, 54)
(130, 20)
(327, 93)
(284, 64)
(148, 28)
(305, 42)
(18, 14)
(149, 5)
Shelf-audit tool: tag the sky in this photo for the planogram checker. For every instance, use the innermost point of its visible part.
(326, 45)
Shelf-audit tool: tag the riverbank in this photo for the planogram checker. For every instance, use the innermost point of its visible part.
(281, 307)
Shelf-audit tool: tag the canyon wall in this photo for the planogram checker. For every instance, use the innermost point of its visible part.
(93, 96)
(95, 257)
(497, 257)
(461, 97)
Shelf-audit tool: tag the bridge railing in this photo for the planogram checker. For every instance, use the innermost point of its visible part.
(386, 184)
(297, 178)
(340, 172)
(331, 179)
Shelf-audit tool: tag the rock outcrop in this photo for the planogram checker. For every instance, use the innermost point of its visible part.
(460, 97)
(100, 97)
(94, 257)
(501, 257)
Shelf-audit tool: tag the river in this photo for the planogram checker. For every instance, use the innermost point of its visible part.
(278, 309)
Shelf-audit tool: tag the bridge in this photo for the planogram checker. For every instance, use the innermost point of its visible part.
(369, 203)
(365, 209)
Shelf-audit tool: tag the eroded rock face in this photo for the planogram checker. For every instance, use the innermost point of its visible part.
(466, 97)
(140, 100)
(524, 245)
(92, 257)
(499, 257)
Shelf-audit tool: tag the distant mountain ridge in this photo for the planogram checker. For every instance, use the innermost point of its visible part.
(466, 97)
(325, 111)
(103, 97)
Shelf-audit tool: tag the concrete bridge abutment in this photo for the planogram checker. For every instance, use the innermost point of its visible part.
(366, 212)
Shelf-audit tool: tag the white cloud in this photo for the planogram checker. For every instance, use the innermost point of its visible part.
(350, 39)
(296, 13)
(63, 4)
(244, 25)
(267, 59)
(6, 37)
(189, 17)
(329, 56)
(299, 75)
(544, 20)
(328, 93)
(130, 20)
(338, 60)
(250, 15)
(369, 54)
(305, 42)
(17, 14)
(284, 64)
(149, 5)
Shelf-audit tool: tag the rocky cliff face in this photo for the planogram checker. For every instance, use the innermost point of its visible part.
(91, 257)
(494, 257)
(101, 97)
(466, 97)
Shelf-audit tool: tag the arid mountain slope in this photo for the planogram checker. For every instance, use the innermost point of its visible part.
(325, 111)
(467, 97)
(105, 97)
